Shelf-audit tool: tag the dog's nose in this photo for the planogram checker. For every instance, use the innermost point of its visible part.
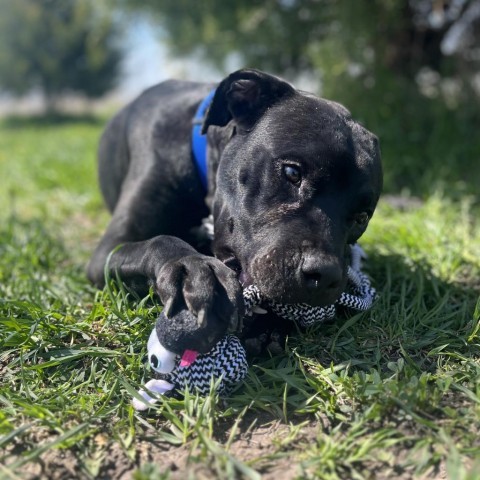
(322, 273)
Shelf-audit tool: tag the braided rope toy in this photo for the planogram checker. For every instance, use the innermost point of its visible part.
(226, 363)
(360, 296)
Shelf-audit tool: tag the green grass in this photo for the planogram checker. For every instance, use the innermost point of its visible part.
(392, 393)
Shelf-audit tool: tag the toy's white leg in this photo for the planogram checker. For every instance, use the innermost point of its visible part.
(155, 386)
(358, 255)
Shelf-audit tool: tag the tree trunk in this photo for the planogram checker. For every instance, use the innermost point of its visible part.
(51, 103)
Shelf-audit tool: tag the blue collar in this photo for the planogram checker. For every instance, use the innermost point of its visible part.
(199, 141)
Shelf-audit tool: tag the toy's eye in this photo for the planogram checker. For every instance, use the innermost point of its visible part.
(154, 362)
(293, 173)
(361, 218)
(159, 358)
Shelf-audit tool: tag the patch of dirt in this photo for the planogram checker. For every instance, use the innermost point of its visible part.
(272, 447)
(259, 438)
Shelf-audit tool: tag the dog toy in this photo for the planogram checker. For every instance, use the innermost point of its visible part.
(226, 363)
(169, 352)
(359, 296)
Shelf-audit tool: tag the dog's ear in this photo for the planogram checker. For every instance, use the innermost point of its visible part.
(244, 96)
(368, 156)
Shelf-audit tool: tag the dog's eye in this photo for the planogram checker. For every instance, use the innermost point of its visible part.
(293, 174)
(361, 218)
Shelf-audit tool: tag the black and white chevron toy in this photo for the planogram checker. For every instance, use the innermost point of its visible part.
(226, 363)
(359, 296)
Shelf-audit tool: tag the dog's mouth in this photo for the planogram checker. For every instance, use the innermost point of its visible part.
(245, 279)
(301, 290)
(234, 264)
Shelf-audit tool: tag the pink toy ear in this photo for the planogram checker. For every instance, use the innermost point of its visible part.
(188, 357)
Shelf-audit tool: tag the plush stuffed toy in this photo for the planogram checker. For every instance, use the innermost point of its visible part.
(174, 355)
(226, 363)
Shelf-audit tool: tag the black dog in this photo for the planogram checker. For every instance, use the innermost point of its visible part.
(292, 181)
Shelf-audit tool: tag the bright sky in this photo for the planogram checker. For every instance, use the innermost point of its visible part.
(148, 61)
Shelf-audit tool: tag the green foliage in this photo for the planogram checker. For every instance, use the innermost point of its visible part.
(57, 46)
(394, 391)
(426, 145)
(366, 54)
(275, 35)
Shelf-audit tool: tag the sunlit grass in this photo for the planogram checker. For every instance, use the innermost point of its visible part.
(391, 392)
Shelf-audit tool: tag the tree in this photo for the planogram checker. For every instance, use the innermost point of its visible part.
(406, 68)
(57, 47)
(288, 35)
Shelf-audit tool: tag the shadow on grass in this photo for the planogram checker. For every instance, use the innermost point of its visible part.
(421, 329)
(416, 315)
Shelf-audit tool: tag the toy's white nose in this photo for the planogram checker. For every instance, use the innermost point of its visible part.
(160, 359)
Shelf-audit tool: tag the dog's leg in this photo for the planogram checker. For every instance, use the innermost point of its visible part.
(142, 257)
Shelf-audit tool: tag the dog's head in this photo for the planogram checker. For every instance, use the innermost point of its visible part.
(296, 184)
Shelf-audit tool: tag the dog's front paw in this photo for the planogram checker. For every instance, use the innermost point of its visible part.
(204, 286)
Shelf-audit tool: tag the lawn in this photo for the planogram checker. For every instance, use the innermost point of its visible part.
(391, 393)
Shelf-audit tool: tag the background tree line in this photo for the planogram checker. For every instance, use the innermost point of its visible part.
(58, 47)
(408, 69)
